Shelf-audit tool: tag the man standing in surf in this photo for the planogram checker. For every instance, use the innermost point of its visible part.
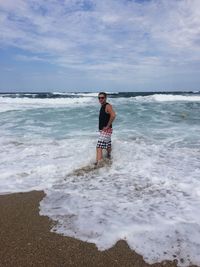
(106, 117)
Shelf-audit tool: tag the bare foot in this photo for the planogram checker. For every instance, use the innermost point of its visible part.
(98, 163)
(108, 156)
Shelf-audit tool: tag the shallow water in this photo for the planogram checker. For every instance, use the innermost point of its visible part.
(149, 195)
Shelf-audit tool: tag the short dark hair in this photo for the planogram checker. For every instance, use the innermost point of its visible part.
(103, 93)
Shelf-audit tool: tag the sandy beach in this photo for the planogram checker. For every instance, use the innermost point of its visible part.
(26, 240)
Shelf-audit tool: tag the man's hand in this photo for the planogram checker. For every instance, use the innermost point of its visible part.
(105, 128)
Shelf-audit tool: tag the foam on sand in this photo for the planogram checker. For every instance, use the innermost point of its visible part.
(92, 167)
(140, 199)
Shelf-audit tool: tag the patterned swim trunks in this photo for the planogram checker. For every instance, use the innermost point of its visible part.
(104, 140)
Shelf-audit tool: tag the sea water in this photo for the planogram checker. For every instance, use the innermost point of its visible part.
(149, 195)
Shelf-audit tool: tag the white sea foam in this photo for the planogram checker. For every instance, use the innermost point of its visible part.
(149, 196)
(168, 98)
(30, 163)
(7, 103)
(62, 93)
(86, 94)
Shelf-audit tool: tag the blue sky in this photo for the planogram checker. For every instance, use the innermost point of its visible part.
(91, 45)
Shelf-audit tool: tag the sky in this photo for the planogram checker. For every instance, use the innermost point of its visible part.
(92, 45)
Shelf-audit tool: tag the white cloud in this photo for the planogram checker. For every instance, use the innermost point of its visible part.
(29, 58)
(110, 36)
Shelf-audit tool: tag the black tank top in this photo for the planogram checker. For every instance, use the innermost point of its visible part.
(103, 117)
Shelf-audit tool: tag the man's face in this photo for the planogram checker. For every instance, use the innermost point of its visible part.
(102, 99)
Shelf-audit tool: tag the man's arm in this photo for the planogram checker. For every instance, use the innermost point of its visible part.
(110, 110)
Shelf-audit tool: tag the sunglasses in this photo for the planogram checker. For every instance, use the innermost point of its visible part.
(101, 97)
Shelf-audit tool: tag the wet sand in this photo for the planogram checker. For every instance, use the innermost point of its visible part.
(26, 240)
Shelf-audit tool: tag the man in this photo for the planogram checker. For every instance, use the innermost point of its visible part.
(106, 117)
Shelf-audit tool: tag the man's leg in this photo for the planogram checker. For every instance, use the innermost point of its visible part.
(109, 152)
(99, 154)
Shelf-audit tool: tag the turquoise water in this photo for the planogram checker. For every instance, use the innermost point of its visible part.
(149, 196)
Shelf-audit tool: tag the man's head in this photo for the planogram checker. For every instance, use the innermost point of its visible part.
(102, 97)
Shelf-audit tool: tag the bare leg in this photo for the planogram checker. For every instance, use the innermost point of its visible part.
(99, 154)
(108, 152)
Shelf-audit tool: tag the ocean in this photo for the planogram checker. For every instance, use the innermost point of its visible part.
(149, 195)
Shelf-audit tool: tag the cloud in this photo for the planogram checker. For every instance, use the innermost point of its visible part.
(29, 58)
(107, 36)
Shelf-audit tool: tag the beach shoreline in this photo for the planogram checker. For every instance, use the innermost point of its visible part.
(26, 240)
